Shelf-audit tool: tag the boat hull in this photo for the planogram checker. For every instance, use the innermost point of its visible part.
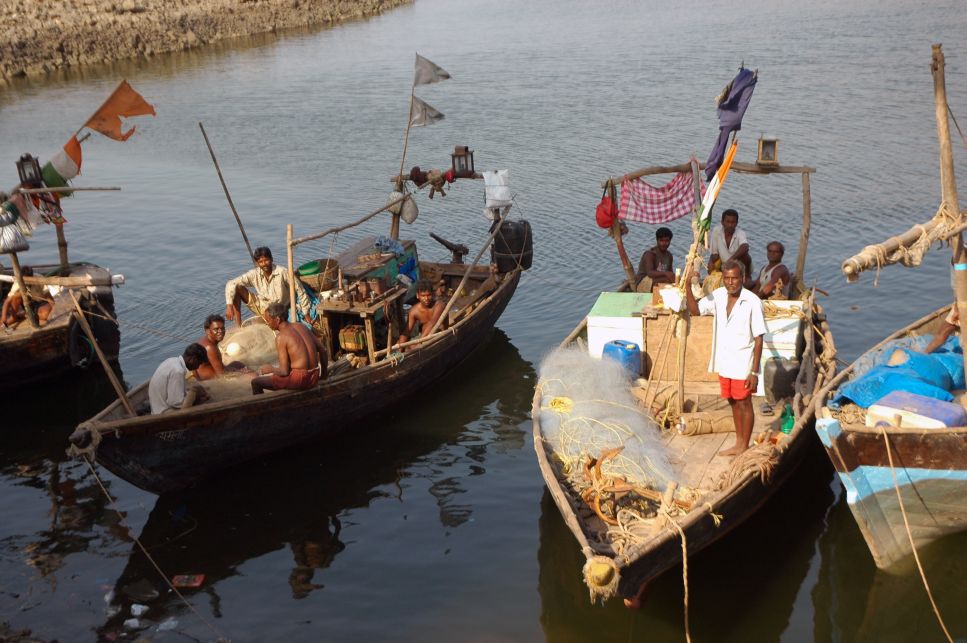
(161, 453)
(929, 468)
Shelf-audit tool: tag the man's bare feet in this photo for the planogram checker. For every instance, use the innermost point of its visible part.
(736, 450)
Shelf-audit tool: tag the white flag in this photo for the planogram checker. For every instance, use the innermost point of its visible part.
(428, 72)
(422, 114)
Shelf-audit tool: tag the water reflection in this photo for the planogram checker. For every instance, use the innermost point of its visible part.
(301, 501)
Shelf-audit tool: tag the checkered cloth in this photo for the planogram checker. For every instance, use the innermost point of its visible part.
(648, 204)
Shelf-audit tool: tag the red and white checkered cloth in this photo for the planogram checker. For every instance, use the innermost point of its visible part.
(648, 204)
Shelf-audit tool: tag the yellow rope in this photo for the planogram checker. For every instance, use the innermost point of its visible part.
(913, 547)
(214, 630)
(681, 532)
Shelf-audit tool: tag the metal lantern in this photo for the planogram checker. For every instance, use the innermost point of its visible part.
(28, 167)
(768, 151)
(462, 161)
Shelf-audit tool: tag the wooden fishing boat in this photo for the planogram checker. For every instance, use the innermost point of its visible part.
(368, 371)
(927, 466)
(629, 534)
(906, 486)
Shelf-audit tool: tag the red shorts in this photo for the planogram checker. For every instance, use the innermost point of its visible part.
(297, 379)
(733, 389)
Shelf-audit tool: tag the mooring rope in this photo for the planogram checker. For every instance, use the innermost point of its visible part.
(906, 525)
(681, 532)
(137, 541)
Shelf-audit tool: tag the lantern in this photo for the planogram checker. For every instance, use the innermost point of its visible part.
(28, 167)
(768, 151)
(462, 162)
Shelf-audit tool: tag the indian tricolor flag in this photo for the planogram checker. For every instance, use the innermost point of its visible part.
(712, 191)
(63, 166)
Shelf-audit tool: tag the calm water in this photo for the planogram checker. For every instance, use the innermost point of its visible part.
(432, 522)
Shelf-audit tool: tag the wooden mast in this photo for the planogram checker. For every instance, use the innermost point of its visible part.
(800, 273)
(948, 184)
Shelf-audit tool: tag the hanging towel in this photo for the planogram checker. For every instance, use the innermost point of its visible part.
(645, 203)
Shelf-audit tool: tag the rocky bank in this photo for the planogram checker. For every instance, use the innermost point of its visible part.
(41, 36)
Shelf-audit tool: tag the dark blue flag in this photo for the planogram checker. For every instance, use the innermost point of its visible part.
(735, 99)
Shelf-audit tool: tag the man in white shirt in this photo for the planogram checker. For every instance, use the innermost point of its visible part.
(736, 346)
(168, 390)
(726, 242)
(271, 284)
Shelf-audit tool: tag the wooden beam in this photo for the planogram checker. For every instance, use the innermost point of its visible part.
(744, 168)
(804, 233)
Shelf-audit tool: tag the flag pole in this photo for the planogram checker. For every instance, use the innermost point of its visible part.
(394, 231)
(108, 100)
(231, 204)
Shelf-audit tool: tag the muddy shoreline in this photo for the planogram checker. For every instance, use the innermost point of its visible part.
(44, 37)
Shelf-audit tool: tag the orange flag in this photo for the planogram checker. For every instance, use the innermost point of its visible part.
(123, 102)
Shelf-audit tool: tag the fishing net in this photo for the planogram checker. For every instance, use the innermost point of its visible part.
(587, 412)
(253, 345)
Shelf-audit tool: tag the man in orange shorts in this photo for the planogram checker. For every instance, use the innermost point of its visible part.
(736, 345)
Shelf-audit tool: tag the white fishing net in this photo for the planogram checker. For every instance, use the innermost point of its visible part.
(253, 345)
(587, 409)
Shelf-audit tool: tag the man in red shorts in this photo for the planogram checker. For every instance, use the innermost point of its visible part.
(302, 359)
(736, 345)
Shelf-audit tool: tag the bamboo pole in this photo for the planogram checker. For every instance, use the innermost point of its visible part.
(82, 320)
(744, 168)
(804, 233)
(61, 246)
(623, 254)
(65, 188)
(867, 257)
(394, 231)
(67, 282)
(466, 273)
(24, 295)
(228, 196)
(948, 183)
(288, 249)
(313, 237)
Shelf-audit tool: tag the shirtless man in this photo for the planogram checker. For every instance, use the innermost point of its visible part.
(774, 275)
(302, 359)
(655, 267)
(425, 312)
(214, 334)
(728, 242)
(41, 298)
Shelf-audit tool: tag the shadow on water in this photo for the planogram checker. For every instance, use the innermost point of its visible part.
(298, 499)
(743, 587)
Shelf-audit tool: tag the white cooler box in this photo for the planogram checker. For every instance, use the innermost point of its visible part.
(616, 315)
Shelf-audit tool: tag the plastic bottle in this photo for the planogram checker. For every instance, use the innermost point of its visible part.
(787, 419)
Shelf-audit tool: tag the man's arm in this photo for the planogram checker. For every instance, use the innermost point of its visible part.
(215, 360)
(780, 274)
(643, 265)
(752, 381)
(690, 301)
(437, 311)
(743, 251)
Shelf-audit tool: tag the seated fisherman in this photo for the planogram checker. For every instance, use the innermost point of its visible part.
(214, 334)
(726, 242)
(302, 358)
(425, 312)
(774, 276)
(949, 326)
(655, 267)
(168, 390)
(271, 284)
(41, 298)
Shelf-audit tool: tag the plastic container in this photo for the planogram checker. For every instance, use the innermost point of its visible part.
(915, 411)
(787, 420)
(319, 275)
(513, 246)
(628, 354)
(779, 378)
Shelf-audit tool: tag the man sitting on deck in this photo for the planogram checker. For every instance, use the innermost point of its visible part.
(168, 390)
(774, 276)
(736, 346)
(655, 267)
(214, 334)
(425, 312)
(302, 358)
(726, 242)
(271, 284)
(41, 298)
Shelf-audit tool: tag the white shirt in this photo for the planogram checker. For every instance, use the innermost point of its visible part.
(733, 336)
(267, 291)
(717, 245)
(166, 390)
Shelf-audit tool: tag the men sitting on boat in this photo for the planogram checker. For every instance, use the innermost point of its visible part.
(773, 280)
(214, 334)
(271, 284)
(736, 345)
(41, 298)
(168, 390)
(302, 358)
(655, 266)
(728, 242)
(425, 312)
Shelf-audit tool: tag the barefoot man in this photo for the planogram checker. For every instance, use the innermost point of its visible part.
(736, 345)
(302, 359)
(271, 284)
(425, 312)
